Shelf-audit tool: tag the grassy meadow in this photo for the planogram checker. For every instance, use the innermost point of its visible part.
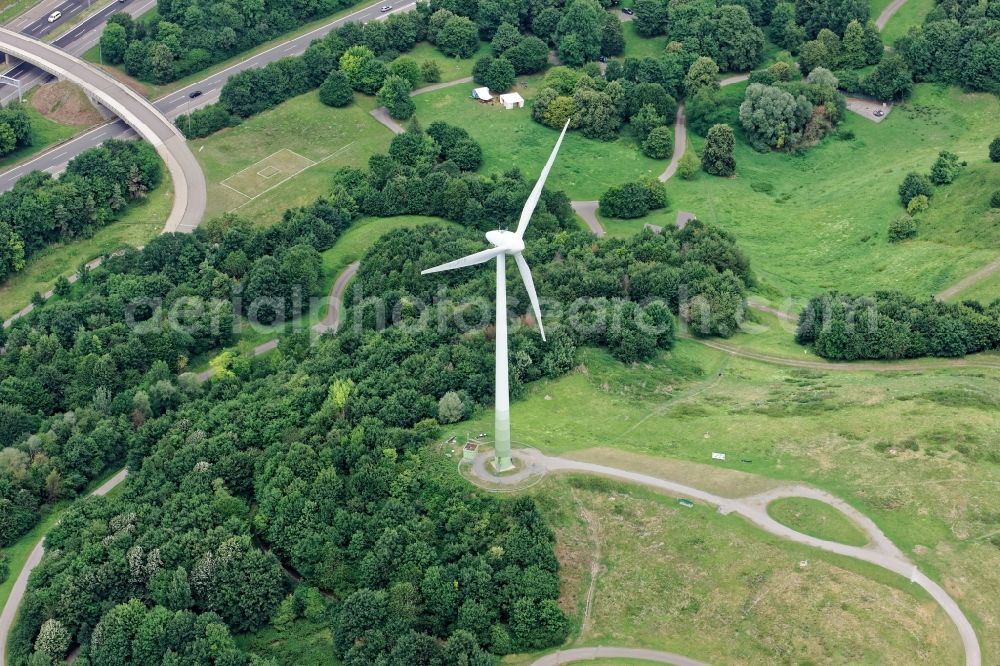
(818, 220)
(715, 589)
(331, 138)
(817, 519)
(917, 452)
(586, 168)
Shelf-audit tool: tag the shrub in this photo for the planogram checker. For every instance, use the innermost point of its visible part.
(914, 184)
(4, 566)
(395, 97)
(918, 204)
(995, 150)
(481, 68)
(336, 91)
(660, 143)
(995, 200)
(206, 121)
(902, 228)
(430, 72)
(946, 168)
(688, 166)
(633, 199)
(718, 158)
(500, 75)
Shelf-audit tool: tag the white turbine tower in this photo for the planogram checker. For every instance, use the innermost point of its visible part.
(507, 243)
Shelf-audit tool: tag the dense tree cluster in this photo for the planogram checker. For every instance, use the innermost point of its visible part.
(352, 57)
(348, 501)
(427, 173)
(791, 115)
(891, 325)
(96, 188)
(633, 199)
(958, 43)
(81, 376)
(598, 107)
(185, 37)
(727, 32)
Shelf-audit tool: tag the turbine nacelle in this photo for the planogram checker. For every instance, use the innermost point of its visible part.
(508, 241)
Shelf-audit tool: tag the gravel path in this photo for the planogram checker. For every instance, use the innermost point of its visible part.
(587, 210)
(887, 13)
(21, 584)
(590, 654)
(879, 550)
(680, 144)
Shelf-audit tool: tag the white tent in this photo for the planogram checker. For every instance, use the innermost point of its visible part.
(482, 94)
(512, 101)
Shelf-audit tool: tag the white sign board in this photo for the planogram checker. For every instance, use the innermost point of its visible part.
(718, 456)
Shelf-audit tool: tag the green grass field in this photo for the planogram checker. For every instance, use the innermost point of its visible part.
(817, 519)
(512, 138)
(141, 223)
(637, 46)
(716, 589)
(810, 222)
(451, 68)
(916, 452)
(303, 644)
(322, 138)
(806, 221)
(9, 9)
(986, 291)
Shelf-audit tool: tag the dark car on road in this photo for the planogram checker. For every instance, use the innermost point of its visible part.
(194, 93)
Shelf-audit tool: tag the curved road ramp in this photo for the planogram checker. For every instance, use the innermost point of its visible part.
(190, 193)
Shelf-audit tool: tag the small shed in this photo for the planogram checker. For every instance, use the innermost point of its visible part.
(512, 101)
(482, 94)
(470, 450)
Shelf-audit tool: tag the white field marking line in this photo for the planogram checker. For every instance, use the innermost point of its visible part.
(285, 180)
(301, 156)
(263, 173)
(261, 161)
(235, 190)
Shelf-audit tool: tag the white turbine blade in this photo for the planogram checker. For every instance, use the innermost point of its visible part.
(536, 194)
(471, 260)
(529, 285)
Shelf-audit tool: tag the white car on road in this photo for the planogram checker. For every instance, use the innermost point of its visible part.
(55, 16)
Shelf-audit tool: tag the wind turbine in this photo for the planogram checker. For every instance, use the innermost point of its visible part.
(507, 243)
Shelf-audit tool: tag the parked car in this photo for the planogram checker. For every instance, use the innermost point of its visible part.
(55, 16)
(627, 10)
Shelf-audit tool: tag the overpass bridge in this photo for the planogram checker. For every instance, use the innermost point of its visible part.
(190, 192)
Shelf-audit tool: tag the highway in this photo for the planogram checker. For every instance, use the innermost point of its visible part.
(54, 160)
(190, 195)
(75, 41)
